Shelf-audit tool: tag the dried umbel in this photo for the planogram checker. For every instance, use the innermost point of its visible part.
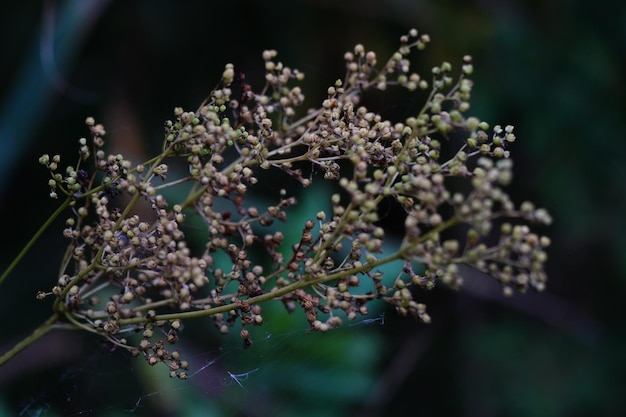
(445, 169)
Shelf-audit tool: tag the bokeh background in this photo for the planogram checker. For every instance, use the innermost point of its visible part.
(554, 69)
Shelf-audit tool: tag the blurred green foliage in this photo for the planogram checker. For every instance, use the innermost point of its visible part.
(553, 69)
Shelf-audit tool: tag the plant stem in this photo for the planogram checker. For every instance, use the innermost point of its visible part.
(34, 239)
(306, 282)
(269, 295)
(44, 328)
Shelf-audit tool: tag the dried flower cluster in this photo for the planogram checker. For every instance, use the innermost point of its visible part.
(445, 169)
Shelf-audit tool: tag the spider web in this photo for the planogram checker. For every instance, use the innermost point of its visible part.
(283, 373)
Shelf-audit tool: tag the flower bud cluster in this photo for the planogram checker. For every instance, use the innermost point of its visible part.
(440, 166)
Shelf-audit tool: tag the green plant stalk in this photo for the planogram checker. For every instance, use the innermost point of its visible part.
(66, 203)
(35, 238)
(401, 254)
(49, 324)
(53, 320)
(267, 296)
(44, 328)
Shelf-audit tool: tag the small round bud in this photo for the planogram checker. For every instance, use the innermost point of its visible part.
(245, 334)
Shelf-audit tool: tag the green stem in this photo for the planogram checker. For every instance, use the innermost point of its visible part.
(267, 296)
(35, 238)
(44, 328)
(307, 281)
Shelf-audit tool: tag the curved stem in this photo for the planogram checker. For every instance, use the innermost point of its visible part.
(34, 239)
(307, 281)
(269, 295)
(44, 328)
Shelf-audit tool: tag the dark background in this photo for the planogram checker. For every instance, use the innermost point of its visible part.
(553, 69)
